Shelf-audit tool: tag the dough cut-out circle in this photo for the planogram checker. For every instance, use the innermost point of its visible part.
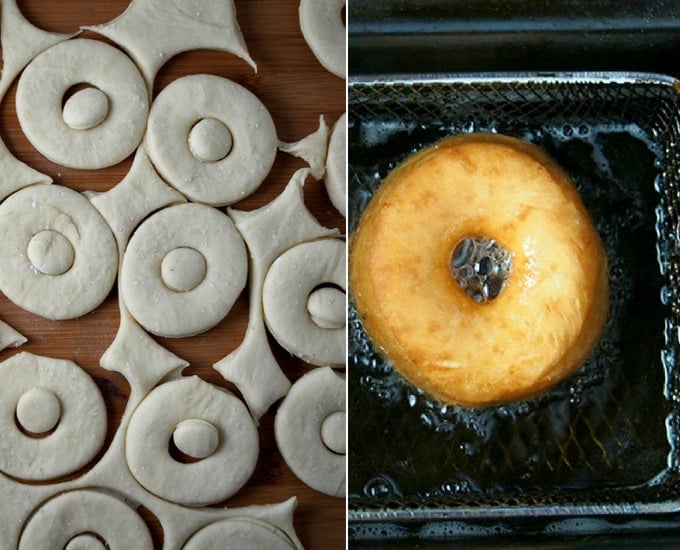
(83, 519)
(155, 422)
(196, 438)
(153, 31)
(183, 270)
(241, 533)
(324, 32)
(118, 97)
(58, 257)
(336, 166)
(39, 394)
(306, 420)
(291, 280)
(228, 156)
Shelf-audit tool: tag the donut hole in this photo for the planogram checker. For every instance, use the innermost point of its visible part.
(333, 432)
(481, 267)
(210, 140)
(50, 253)
(183, 269)
(196, 438)
(326, 305)
(84, 106)
(37, 413)
(86, 541)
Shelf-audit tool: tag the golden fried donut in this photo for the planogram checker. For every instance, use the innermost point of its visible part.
(477, 271)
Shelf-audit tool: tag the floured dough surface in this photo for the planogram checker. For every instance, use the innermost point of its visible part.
(211, 139)
(336, 166)
(79, 519)
(57, 400)
(165, 410)
(322, 27)
(183, 270)
(268, 231)
(153, 31)
(310, 428)
(293, 281)
(311, 148)
(241, 533)
(58, 258)
(108, 121)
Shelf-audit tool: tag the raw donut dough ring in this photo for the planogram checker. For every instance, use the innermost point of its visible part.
(25, 217)
(187, 101)
(288, 284)
(336, 166)
(80, 424)
(549, 315)
(75, 515)
(184, 234)
(298, 429)
(321, 25)
(249, 533)
(153, 423)
(39, 104)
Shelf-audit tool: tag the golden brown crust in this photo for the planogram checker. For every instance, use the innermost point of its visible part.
(553, 308)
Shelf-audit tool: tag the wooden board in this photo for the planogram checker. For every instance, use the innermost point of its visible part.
(296, 90)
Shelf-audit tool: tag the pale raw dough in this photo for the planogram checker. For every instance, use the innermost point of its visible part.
(38, 213)
(15, 175)
(210, 480)
(336, 166)
(137, 195)
(298, 428)
(199, 236)
(36, 389)
(251, 140)
(38, 410)
(327, 307)
(290, 282)
(85, 109)
(76, 514)
(268, 231)
(196, 438)
(10, 338)
(322, 27)
(153, 31)
(312, 149)
(241, 533)
(39, 104)
(21, 42)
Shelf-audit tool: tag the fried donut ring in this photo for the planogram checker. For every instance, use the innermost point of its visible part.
(495, 214)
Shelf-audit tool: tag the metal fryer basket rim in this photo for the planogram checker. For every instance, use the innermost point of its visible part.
(504, 512)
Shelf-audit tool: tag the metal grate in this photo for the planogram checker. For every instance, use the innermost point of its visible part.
(603, 441)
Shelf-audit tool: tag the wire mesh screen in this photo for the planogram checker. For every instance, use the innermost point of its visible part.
(606, 435)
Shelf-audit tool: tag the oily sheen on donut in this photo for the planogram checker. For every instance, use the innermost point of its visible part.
(478, 272)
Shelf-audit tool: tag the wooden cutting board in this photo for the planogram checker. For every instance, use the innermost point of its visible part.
(296, 90)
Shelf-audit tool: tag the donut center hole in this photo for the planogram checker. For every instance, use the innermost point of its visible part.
(183, 269)
(50, 253)
(195, 438)
(84, 107)
(86, 541)
(326, 306)
(333, 432)
(38, 412)
(481, 267)
(210, 140)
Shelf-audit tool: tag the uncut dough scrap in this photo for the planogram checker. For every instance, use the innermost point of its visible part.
(153, 31)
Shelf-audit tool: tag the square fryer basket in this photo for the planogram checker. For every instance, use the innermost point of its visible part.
(523, 105)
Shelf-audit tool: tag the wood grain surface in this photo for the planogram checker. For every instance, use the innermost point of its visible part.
(296, 90)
